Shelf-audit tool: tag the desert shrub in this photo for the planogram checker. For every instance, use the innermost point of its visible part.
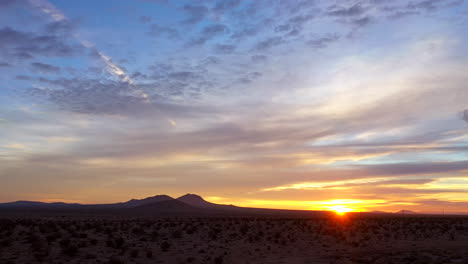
(5, 243)
(218, 260)
(190, 229)
(70, 250)
(93, 241)
(115, 260)
(52, 237)
(110, 242)
(41, 254)
(165, 246)
(64, 242)
(119, 242)
(176, 234)
(134, 253)
(38, 245)
(137, 230)
(149, 254)
(154, 235)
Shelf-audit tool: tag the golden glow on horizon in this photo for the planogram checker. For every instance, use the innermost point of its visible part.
(319, 205)
(340, 209)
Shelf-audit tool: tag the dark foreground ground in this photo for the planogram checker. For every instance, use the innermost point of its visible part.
(349, 239)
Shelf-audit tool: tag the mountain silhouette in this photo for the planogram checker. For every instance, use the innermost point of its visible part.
(171, 207)
(139, 202)
(29, 204)
(198, 201)
(406, 212)
(158, 205)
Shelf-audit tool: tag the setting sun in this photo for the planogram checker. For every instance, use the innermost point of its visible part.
(340, 209)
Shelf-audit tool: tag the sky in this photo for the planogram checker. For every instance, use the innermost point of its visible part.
(360, 104)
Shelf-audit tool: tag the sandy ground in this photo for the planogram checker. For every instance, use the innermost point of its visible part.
(360, 240)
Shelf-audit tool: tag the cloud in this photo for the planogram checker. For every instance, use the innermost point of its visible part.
(352, 11)
(92, 96)
(224, 48)
(8, 3)
(208, 33)
(361, 22)
(259, 58)
(350, 183)
(108, 97)
(244, 33)
(268, 43)
(299, 20)
(145, 19)
(61, 27)
(169, 32)
(225, 5)
(183, 76)
(413, 8)
(45, 68)
(4, 65)
(26, 45)
(401, 14)
(281, 28)
(417, 168)
(428, 5)
(465, 115)
(297, 6)
(323, 42)
(215, 29)
(23, 78)
(22, 55)
(195, 13)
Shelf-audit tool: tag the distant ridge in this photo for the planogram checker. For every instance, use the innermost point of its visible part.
(198, 201)
(26, 204)
(139, 202)
(406, 212)
(158, 205)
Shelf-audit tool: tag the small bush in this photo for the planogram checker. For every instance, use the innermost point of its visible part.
(115, 260)
(70, 250)
(134, 253)
(219, 260)
(165, 246)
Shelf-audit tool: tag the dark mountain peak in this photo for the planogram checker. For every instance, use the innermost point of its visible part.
(195, 200)
(198, 201)
(148, 200)
(156, 198)
(191, 196)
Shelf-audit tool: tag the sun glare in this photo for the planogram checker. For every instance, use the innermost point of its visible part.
(340, 209)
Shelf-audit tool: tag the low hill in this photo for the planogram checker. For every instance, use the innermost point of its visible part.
(406, 212)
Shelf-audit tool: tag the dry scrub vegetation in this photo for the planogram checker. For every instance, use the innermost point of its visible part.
(219, 240)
